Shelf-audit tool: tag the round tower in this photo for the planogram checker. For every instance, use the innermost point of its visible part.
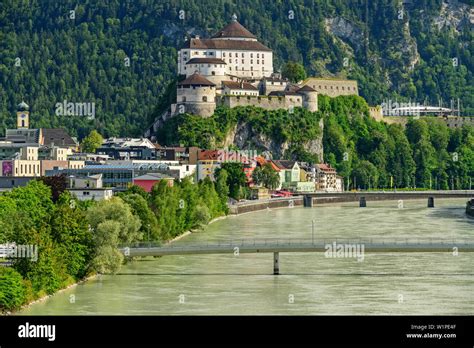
(196, 95)
(310, 98)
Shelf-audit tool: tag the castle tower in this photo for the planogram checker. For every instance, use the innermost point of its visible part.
(196, 95)
(310, 98)
(23, 115)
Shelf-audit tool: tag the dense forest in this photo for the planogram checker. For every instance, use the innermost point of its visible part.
(121, 55)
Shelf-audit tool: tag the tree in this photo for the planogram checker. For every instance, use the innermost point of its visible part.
(12, 289)
(149, 224)
(235, 177)
(57, 183)
(294, 72)
(222, 188)
(266, 176)
(93, 141)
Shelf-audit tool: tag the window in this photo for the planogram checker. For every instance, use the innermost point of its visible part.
(208, 65)
(243, 62)
(242, 55)
(263, 62)
(211, 53)
(251, 68)
(204, 99)
(258, 55)
(230, 54)
(183, 99)
(223, 54)
(263, 56)
(236, 61)
(258, 61)
(213, 73)
(251, 61)
(230, 68)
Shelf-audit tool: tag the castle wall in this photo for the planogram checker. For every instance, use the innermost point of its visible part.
(270, 103)
(310, 101)
(333, 87)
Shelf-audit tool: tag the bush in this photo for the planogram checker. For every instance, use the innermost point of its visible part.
(13, 292)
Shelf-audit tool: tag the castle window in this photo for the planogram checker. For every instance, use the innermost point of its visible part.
(223, 54)
(213, 73)
(230, 54)
(258, 55)
(208, 65)
(273, 83)
(236, 61)
(251, 69)
(251, 61)
(204, 99)
(242, 55)
(258, 61)
(183, 99)
(243, 62)
(342, 87)
(248, 98)
(211, 53)
(230, 68)
(263, 62)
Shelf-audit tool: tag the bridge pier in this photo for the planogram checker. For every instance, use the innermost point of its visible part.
(430, 202)
(276, 263)
(308, 201)
(362, 202)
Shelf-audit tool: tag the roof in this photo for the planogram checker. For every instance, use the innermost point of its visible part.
(23, 106)
(325, 167)
(196, 80)
(239, 85)
(262, 161)
(234, 30)
(307, 88)
(208, 155)
(206, 60)
(242, 45)
(56, 136)
(284, 164)
(282, 93)
(153, 176)
(127, 142)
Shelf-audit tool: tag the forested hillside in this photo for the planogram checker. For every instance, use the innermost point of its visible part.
(121, 55)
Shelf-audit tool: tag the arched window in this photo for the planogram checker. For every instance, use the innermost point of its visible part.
(183, 99)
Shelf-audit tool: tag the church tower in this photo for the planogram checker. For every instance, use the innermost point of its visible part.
(23, 116)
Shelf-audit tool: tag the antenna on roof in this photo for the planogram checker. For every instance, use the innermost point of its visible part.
(234, 18)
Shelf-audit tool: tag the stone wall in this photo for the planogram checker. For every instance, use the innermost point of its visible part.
(332, 87)
(266, 102)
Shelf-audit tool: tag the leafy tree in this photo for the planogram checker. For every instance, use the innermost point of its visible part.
(93, 141)
(294, 72)
(266, 176)
(235, 177)
(12, 289)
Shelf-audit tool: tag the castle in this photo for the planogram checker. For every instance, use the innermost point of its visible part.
(232, 69)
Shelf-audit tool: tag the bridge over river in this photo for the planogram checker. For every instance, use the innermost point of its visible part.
(347, 248)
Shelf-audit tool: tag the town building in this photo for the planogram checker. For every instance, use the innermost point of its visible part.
(88, 187)
(147, 181)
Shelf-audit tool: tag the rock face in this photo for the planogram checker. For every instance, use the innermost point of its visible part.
(244, 137)
(346, 31)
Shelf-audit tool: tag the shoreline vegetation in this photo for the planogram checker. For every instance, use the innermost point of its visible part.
(80, 239)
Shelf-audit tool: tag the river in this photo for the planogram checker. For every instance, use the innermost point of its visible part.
(309, 283)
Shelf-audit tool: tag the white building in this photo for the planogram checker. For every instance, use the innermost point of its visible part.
(238, 88)
(236, 46)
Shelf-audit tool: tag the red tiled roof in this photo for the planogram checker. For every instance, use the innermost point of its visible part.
(196, 79)
(206, 60)
(325, 167)
(226, 45)
(234, 30)
(238, 85)
(208, 155)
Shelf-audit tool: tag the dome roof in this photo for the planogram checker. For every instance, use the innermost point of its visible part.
(234, 30)
(196, 80)
(23, 106)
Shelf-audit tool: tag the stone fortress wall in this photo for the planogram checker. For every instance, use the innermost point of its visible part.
(332, 87)
(266, 102)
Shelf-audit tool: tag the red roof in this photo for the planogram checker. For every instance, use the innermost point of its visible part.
(234, 30)
(326, 167)
(208, 155)
(196, 80)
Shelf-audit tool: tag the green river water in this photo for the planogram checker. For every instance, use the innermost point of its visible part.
(309, 283)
